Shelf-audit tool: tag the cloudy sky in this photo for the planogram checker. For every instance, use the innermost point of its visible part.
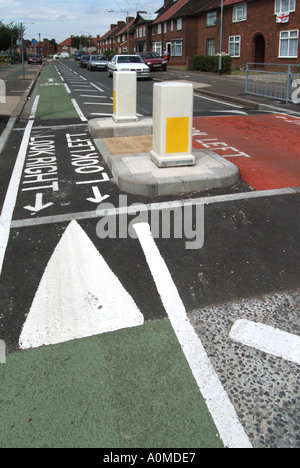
(59, 19)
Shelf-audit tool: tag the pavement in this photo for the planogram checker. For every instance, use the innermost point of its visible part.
(17, 92)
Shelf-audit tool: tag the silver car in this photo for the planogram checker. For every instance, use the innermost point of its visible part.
(97, 62)
(128, 63)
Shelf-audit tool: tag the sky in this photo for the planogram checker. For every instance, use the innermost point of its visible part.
(59, 19)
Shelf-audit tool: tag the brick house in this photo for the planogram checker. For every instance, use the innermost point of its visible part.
(142, 31)
(44, 48)
(65, 46)
(117, 38)
(259, 31)
(175, 30)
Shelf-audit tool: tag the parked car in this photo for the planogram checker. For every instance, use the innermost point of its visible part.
(97, 62)
(78, 54)
(153, 60)
(128, 63)
(84, 60)
(56, 56)
(35, 58)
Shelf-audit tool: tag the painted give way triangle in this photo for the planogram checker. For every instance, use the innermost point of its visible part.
(78, 296)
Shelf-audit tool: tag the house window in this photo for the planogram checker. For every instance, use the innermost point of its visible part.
(176, 49)
(179, 24)
(153, 31)
(165, 28)
(144, 31)
(285, 6)
(235, 46)
(156, 47)
(172, 26)
(239, 13)
(289, 44)
(159, 29)
(211, 19)
(211, 46)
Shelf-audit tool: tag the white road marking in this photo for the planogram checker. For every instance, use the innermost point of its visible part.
(267, 339)
(151, 206)
(12, 192)
(34, 107)
(218, 101)
(220, 407)
(78, 296)
(78, 110)
(97, 87)
(99, 103)
(67, 88)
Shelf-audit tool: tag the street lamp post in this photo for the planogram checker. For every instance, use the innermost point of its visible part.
(127, 23)
(221, 38)
(22, 47)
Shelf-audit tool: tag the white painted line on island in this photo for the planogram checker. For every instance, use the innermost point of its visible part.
(267, 339)
(219, 405)
(78, 296)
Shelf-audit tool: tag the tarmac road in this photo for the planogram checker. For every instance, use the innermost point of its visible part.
(68, 383)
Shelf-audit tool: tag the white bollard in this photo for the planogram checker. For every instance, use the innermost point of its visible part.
(2, 92)
(173, 105)
(125, 90)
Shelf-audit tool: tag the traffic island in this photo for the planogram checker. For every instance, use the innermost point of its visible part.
(129, 161)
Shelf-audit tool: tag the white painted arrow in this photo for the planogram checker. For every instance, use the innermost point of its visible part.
(98, 198)
(38, 204)
(78, 296)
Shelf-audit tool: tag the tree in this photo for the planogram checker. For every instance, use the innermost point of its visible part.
(83, 41)
(53, 42)
(6, 33)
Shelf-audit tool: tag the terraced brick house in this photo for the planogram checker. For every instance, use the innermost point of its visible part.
(258, 31)
(261, 31)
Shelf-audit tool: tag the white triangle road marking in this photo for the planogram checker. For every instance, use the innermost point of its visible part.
(78, 296)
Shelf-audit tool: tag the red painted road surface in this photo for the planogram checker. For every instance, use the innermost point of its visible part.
(266, 148)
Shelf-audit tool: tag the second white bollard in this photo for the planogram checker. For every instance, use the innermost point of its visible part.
(173, 106)
(125, 91)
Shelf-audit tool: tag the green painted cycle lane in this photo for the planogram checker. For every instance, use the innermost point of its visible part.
(54, 101)
(132, 388)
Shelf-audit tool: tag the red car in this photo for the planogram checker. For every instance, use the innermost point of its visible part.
(34, 58)
(153, 60)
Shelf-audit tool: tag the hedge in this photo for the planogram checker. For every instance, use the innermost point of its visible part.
(210, 63)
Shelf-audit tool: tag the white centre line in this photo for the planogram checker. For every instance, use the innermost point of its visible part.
(220, 407)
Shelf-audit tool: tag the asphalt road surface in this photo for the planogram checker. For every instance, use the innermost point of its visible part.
(115, 339)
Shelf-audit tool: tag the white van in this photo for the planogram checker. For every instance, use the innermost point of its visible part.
(64, 55)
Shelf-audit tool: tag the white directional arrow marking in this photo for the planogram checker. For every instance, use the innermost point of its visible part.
(78, 296)
(98, 198)
(38, 204)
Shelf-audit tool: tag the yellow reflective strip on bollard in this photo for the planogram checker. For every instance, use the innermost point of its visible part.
(177, 136)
